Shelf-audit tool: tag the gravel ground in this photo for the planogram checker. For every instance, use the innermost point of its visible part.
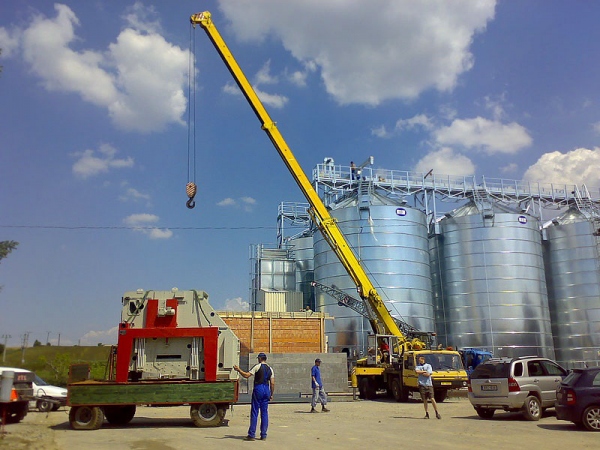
(349, 425)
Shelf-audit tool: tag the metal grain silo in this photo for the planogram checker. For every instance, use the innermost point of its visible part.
(390, 240)
(303, 254)
(490, 286)
(573, 273)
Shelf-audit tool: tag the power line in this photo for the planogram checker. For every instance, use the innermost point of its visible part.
(93, 227)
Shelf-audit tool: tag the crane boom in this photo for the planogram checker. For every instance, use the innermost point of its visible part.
(323, 220)
(362, 308)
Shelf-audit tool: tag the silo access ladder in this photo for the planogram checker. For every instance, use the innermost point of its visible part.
(585, 204)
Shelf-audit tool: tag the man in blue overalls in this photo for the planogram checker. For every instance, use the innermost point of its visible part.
(264, 386)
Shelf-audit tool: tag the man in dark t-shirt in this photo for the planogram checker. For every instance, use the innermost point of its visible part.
(264, 386)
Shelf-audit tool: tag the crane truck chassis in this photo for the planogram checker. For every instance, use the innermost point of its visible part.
(173, 349)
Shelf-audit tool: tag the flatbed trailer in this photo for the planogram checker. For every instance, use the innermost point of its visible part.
(92, 401)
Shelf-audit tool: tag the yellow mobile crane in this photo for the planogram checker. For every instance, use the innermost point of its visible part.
(396, 373)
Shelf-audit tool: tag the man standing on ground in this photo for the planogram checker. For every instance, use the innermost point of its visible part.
(424, 371)
(318, 389)
(264, 386)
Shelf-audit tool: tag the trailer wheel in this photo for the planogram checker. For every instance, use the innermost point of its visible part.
(15, 414)
(207, 415)
(44, 405)
(119, 415)
(86, 417)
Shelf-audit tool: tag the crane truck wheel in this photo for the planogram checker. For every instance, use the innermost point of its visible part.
(207, 415)
(397, 391)
(86, 417)
(366, 389)
(440, 395)
(119, 414)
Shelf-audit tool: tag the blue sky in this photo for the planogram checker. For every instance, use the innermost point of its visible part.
(94, 136)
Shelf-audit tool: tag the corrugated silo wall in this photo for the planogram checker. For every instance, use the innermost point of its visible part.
(573, 274)
(305, 268)
(491, 287)
(391, 242)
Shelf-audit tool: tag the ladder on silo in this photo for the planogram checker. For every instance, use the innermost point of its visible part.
(482, 200)
(365, 190)
(584, 203)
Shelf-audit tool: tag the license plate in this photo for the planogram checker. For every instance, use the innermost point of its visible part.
(446, 383)
(489, 387)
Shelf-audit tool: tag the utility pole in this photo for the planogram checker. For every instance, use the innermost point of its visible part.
(6, 338)
(58, 340)
(47, 337)
(24, 346)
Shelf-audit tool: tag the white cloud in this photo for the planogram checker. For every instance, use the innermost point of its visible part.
(414, 46)
(509, 168)
(90, 163)
(496, 105)
(9, 41)
(420, 120)
(132, 194)
(485, 135)
(381, 132)
(263, 76)
(143, 18)
(446, 162)
(579, 166)
(141, 223)
(247, 203)
(227, 202)
(596, 127)
(119, 79)
(236, 304)
(100, 337)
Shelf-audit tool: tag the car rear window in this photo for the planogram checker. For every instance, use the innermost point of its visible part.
(572, 378)
(491, 370)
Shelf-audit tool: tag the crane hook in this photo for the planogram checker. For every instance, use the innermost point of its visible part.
(190, 189)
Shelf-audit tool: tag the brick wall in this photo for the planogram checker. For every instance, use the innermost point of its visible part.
(278, 332)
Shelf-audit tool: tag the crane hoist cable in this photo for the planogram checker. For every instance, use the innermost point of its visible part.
(190, 187)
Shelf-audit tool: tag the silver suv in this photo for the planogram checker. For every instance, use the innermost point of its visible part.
(526, 383)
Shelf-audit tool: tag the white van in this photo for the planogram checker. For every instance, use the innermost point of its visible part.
(47, 397)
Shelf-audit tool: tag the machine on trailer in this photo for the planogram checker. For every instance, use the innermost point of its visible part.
(173, 349)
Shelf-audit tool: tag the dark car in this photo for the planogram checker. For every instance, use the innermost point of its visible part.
(578, 398)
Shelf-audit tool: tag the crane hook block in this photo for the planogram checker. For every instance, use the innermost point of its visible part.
(190, 190)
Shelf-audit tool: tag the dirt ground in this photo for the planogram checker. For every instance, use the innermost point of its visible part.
(349, 425)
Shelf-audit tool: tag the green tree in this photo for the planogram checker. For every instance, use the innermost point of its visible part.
(37, 343)
(6, 247)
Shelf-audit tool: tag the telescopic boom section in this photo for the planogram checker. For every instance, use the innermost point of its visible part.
(323, 220)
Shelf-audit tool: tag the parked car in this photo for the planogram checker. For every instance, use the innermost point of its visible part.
(578, 398)
(526, 383)
(47, 397)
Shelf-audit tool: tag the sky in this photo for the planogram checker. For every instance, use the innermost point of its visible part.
(98, 125)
